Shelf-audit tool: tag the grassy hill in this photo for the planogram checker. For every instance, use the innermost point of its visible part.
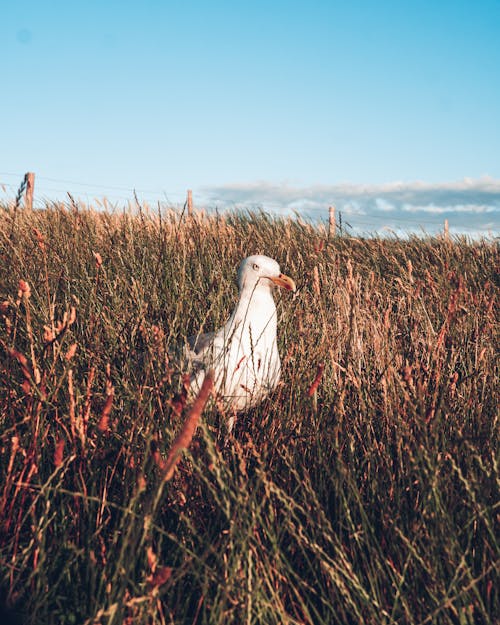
(365, 490)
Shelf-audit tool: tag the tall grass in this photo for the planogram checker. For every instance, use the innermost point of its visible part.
(365, 490)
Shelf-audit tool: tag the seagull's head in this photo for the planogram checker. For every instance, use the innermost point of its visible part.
(256, 272)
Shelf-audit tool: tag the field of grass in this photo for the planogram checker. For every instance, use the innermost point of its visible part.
(368, 494)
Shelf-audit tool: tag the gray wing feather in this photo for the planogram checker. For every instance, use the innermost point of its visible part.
(199, 345)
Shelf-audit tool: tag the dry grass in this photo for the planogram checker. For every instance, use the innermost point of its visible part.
(366, 490)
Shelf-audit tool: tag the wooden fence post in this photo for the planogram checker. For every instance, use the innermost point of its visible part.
(331, 221)
(446, 232)
(30, 186)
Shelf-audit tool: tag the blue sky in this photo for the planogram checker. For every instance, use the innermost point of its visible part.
(279, 105)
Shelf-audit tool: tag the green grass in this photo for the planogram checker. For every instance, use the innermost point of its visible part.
(375, 500)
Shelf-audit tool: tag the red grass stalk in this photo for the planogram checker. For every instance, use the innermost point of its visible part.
(314, 386)
(24, 293)
(185, 436)
(159, 574)
(59, 453)
(21, 359)
(103, 425)
(86, 411)
(71, 394)
(41, 244)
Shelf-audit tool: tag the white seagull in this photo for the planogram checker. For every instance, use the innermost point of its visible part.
(243, 354)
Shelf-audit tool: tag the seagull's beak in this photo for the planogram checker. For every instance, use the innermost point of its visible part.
(284, 281)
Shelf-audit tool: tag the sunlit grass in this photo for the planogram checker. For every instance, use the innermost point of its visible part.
(371, 496)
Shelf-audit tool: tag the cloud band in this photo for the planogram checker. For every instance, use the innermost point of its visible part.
(472, 206)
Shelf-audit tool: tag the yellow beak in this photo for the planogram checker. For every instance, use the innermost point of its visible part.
(285, 282)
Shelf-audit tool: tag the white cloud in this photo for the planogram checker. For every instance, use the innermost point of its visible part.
(456, 208)
(383, 205)
(471, 206)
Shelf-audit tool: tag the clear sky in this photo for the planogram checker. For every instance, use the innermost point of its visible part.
(243, 97)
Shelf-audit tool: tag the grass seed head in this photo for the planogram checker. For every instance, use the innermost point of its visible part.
(24, 289)
(40, 239)
(98, 259)
(71, 351)
(48, 334)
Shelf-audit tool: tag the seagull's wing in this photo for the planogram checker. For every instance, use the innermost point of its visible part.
(199, 345)
(199, 352)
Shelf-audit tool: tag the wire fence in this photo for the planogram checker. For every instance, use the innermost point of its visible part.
(348, 219)
(49, 189)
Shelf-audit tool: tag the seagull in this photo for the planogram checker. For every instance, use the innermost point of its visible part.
(243, 354)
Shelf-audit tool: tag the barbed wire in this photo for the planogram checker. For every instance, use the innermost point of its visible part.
(87, 184)
(178, 195)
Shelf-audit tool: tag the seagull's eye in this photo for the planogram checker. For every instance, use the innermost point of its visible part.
(255, 267)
